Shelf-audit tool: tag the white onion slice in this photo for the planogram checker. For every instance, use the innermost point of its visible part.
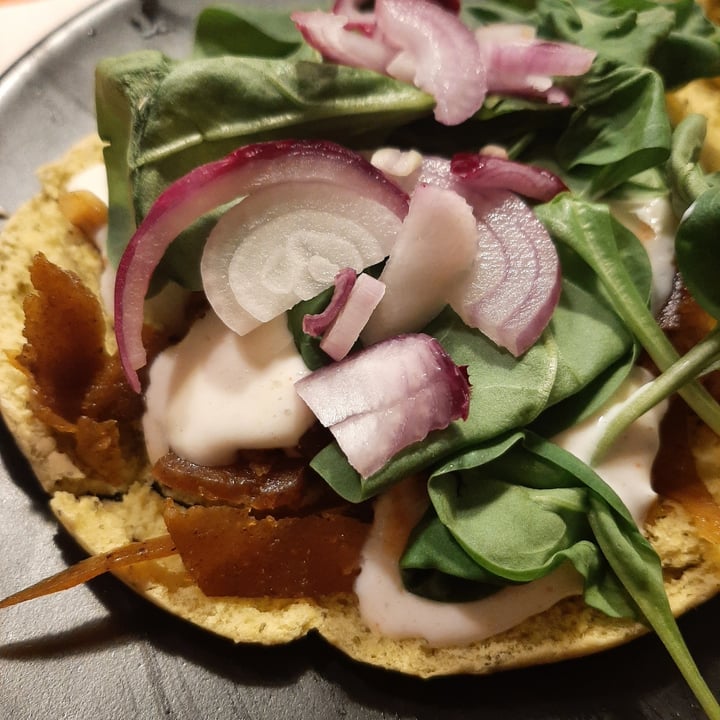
(386, 397)
(213, 185)
(435, 247)
(286, 243)
(515, 280)
(345, 330)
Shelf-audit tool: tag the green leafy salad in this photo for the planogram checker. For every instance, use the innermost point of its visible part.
(507, 504)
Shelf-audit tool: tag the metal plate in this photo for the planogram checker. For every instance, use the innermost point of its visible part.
(101, 652)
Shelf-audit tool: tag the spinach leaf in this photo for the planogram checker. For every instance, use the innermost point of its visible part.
(307, 345)
(242, 100)
(687, 178)
(697, 249)
(522, 506)
(583, 339)
(626, 32)
(245, 30)
(619, 128)
(692, 49)
(519, 508)
(122, 86)
(435, 566)
(590, 230)
(638, 569)
(673, 37)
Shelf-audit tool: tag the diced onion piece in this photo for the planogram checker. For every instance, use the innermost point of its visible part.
(343, 333)
(438, 53)
(436, 246)
(286, 243)
(514, 284)
(316, 325)
(386, 397)
(213, 185)
(490, 172)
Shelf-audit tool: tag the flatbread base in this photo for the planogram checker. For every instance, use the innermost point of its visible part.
(570, 629)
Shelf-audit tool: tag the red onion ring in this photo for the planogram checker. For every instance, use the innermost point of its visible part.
(515, 283)
(489, 172)
(210, 186)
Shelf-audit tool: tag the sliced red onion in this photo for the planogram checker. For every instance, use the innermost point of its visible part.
(420, 42)
(215, 184)
(343, 41)
(519, 64)
(488, 172)
(434, 249)
(344, 331)
(440, 53)
(351, 9)
(386, 397)
(515, 279)
(316, 325)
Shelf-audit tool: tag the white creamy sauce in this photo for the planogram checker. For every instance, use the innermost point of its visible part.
(655, 224)
(94, 180)
(391, 610)
(387, 607)
(627, 466)
(217, 392)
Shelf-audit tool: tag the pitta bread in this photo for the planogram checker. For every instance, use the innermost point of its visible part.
(569, 629)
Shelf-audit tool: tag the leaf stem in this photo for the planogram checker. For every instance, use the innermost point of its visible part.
(687, 368)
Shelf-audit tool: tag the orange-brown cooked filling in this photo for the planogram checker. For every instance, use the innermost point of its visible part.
(229, 552)
(262, 480)
(78, 388)
(263, 526)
